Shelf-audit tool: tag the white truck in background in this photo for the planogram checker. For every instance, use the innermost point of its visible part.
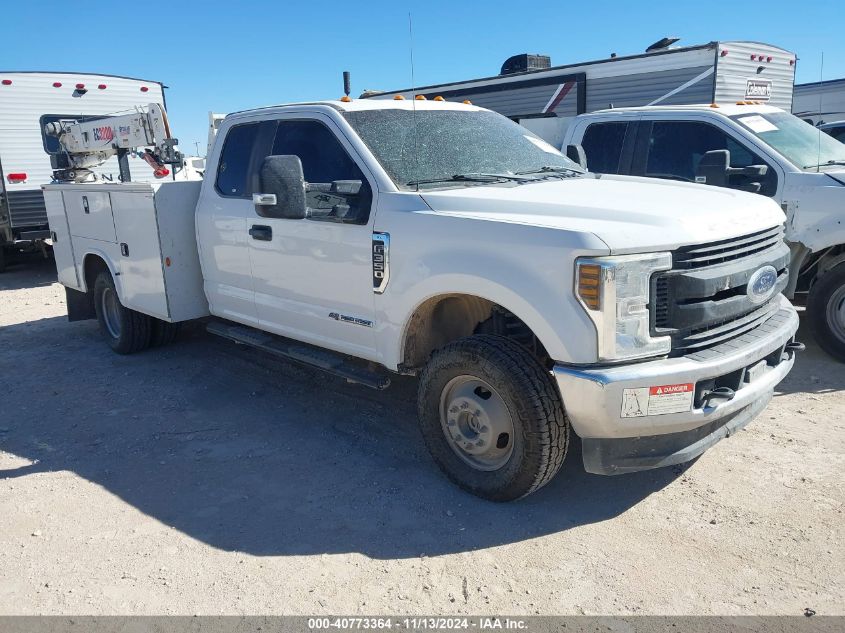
(28, 102)
(529, 297)
(747, 146)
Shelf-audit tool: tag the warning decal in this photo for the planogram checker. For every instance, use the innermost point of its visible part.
(657, 400)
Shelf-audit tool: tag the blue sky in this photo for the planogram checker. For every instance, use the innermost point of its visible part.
(227, 56)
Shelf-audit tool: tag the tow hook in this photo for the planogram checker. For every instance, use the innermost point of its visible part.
(795, 346)
(720, 394)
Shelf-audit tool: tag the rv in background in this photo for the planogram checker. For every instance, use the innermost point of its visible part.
(545, 98)
(820, 102)
(28, 101)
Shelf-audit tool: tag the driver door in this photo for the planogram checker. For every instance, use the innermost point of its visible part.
(313, 277)
(672, 149)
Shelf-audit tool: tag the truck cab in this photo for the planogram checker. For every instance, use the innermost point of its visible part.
(769, 152)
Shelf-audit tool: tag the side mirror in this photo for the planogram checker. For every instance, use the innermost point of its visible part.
(282, 188)
(576, 154)
(713, 168)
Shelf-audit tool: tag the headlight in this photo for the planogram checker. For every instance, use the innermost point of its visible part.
(615, 292)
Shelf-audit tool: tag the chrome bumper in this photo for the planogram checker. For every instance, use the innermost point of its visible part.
(614, 443)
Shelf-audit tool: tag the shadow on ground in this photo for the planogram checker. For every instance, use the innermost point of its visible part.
(249, 454)
(28, 271)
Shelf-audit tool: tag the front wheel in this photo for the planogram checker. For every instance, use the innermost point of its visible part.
(826, 310)
(492, 418)
(125, 330)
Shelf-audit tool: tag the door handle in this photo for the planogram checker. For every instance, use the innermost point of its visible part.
(261, 232)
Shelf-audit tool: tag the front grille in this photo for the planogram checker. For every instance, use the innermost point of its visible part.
(713, 253)
(721, 331)
(703, 300)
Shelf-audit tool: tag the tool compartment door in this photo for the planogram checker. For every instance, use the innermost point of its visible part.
(89, 214)
(141, 268)
(62, 245)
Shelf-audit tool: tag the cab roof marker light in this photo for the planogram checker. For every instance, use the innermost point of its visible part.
(769, 58)
(144, 89)
(714, 105)
(439, 98)
(80, 86)
(346, 99)
(467, 102)
(7, 82)
(420, 98)
(398, 98)
(753, 57)
(57, 84)
(724, 52)
(101, 87)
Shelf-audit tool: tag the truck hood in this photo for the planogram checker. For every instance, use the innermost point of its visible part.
(628, 214)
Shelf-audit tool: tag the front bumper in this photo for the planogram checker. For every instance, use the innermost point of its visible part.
(639, 435)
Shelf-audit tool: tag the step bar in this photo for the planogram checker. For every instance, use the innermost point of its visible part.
(324, 360)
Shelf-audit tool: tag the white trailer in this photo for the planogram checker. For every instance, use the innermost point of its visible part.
(29, 101)
(545, 99)
(820, 102)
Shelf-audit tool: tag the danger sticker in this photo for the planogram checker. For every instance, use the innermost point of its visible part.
(657, 400)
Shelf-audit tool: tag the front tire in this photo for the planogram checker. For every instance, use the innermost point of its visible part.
(126, 331)
(826, 309)
(492, 417)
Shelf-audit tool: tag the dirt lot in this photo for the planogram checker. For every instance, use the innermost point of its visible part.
(203, 478)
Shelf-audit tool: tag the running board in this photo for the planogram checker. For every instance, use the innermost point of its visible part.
(327, 361)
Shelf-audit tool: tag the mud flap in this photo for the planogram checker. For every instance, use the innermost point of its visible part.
(80, 305)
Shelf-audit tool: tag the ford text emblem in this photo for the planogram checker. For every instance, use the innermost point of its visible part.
(761, 284)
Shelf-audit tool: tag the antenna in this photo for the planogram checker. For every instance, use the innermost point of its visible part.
(346, 83)
(818, 129)
(413, 89)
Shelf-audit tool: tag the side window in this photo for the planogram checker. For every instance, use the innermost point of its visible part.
(602, 144)
(234, 161)
(676, 147)
(324, 161)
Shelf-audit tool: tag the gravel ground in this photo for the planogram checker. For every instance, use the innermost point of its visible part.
(204, 478)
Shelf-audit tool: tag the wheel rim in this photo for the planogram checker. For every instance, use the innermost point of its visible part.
(476, 423)
(111, 312)
(836, 313)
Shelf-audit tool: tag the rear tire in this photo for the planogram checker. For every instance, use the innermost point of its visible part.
(125, 330)
(492, 418)
(826, 310)
(162, 332)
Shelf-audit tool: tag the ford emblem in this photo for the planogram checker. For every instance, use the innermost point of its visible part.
(761, 284)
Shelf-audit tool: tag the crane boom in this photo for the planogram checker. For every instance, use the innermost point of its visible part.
(88, 144)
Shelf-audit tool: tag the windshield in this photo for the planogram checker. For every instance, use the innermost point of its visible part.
(804, 145)
(457, 147)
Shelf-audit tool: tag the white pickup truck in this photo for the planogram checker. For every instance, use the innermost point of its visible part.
(751, 147)
(445, 241)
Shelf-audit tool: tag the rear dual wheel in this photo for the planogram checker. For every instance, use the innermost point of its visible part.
(127, 331)
(492, 418)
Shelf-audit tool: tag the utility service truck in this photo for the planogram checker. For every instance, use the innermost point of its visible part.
(445, 241)
(746, 146)
(28, 102)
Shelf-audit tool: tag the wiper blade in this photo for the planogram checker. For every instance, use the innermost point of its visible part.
(830, 162)
(466, 178)
(545, 169)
